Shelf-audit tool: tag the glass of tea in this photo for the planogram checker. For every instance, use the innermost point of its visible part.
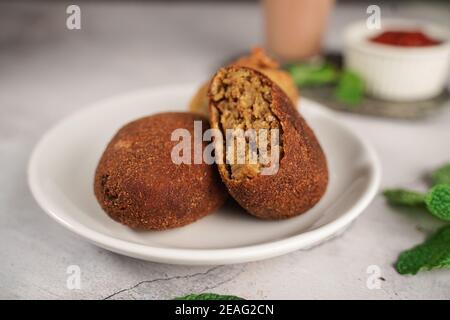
(294, 28)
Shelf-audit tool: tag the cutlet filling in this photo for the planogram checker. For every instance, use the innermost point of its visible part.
(244, 103)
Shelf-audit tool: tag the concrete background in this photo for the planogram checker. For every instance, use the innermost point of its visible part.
(48, 72)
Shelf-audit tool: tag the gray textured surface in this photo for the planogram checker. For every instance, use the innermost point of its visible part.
(48, 72)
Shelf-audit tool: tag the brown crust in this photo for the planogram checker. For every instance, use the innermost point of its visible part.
(138, 185)
(302, 177)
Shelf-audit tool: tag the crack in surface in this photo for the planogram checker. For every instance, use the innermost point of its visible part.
(206, 290)
(223, 282)
(188, 276)
(336, 236)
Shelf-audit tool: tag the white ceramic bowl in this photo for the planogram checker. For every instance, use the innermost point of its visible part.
(398, 73)
(62, 166)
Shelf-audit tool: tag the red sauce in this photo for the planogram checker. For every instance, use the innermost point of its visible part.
(405, 39)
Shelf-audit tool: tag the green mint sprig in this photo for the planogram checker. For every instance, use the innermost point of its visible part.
(434, 253)
(437, 200)
(441, 175)
(349, 86)
(313, 74)
(349, 89)
(208, 296)
(404, 197)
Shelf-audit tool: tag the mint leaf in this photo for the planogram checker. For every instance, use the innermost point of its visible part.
(313, 74)
(350, 88)
(404, 197)
(208, 296)
(438, 201)
(433, 254)
(441, 175)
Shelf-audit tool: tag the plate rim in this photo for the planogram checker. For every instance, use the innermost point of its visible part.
(204, 256)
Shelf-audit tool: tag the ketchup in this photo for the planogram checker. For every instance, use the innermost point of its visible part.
(405, 39)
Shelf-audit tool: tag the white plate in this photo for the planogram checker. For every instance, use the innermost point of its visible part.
(61, 171)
